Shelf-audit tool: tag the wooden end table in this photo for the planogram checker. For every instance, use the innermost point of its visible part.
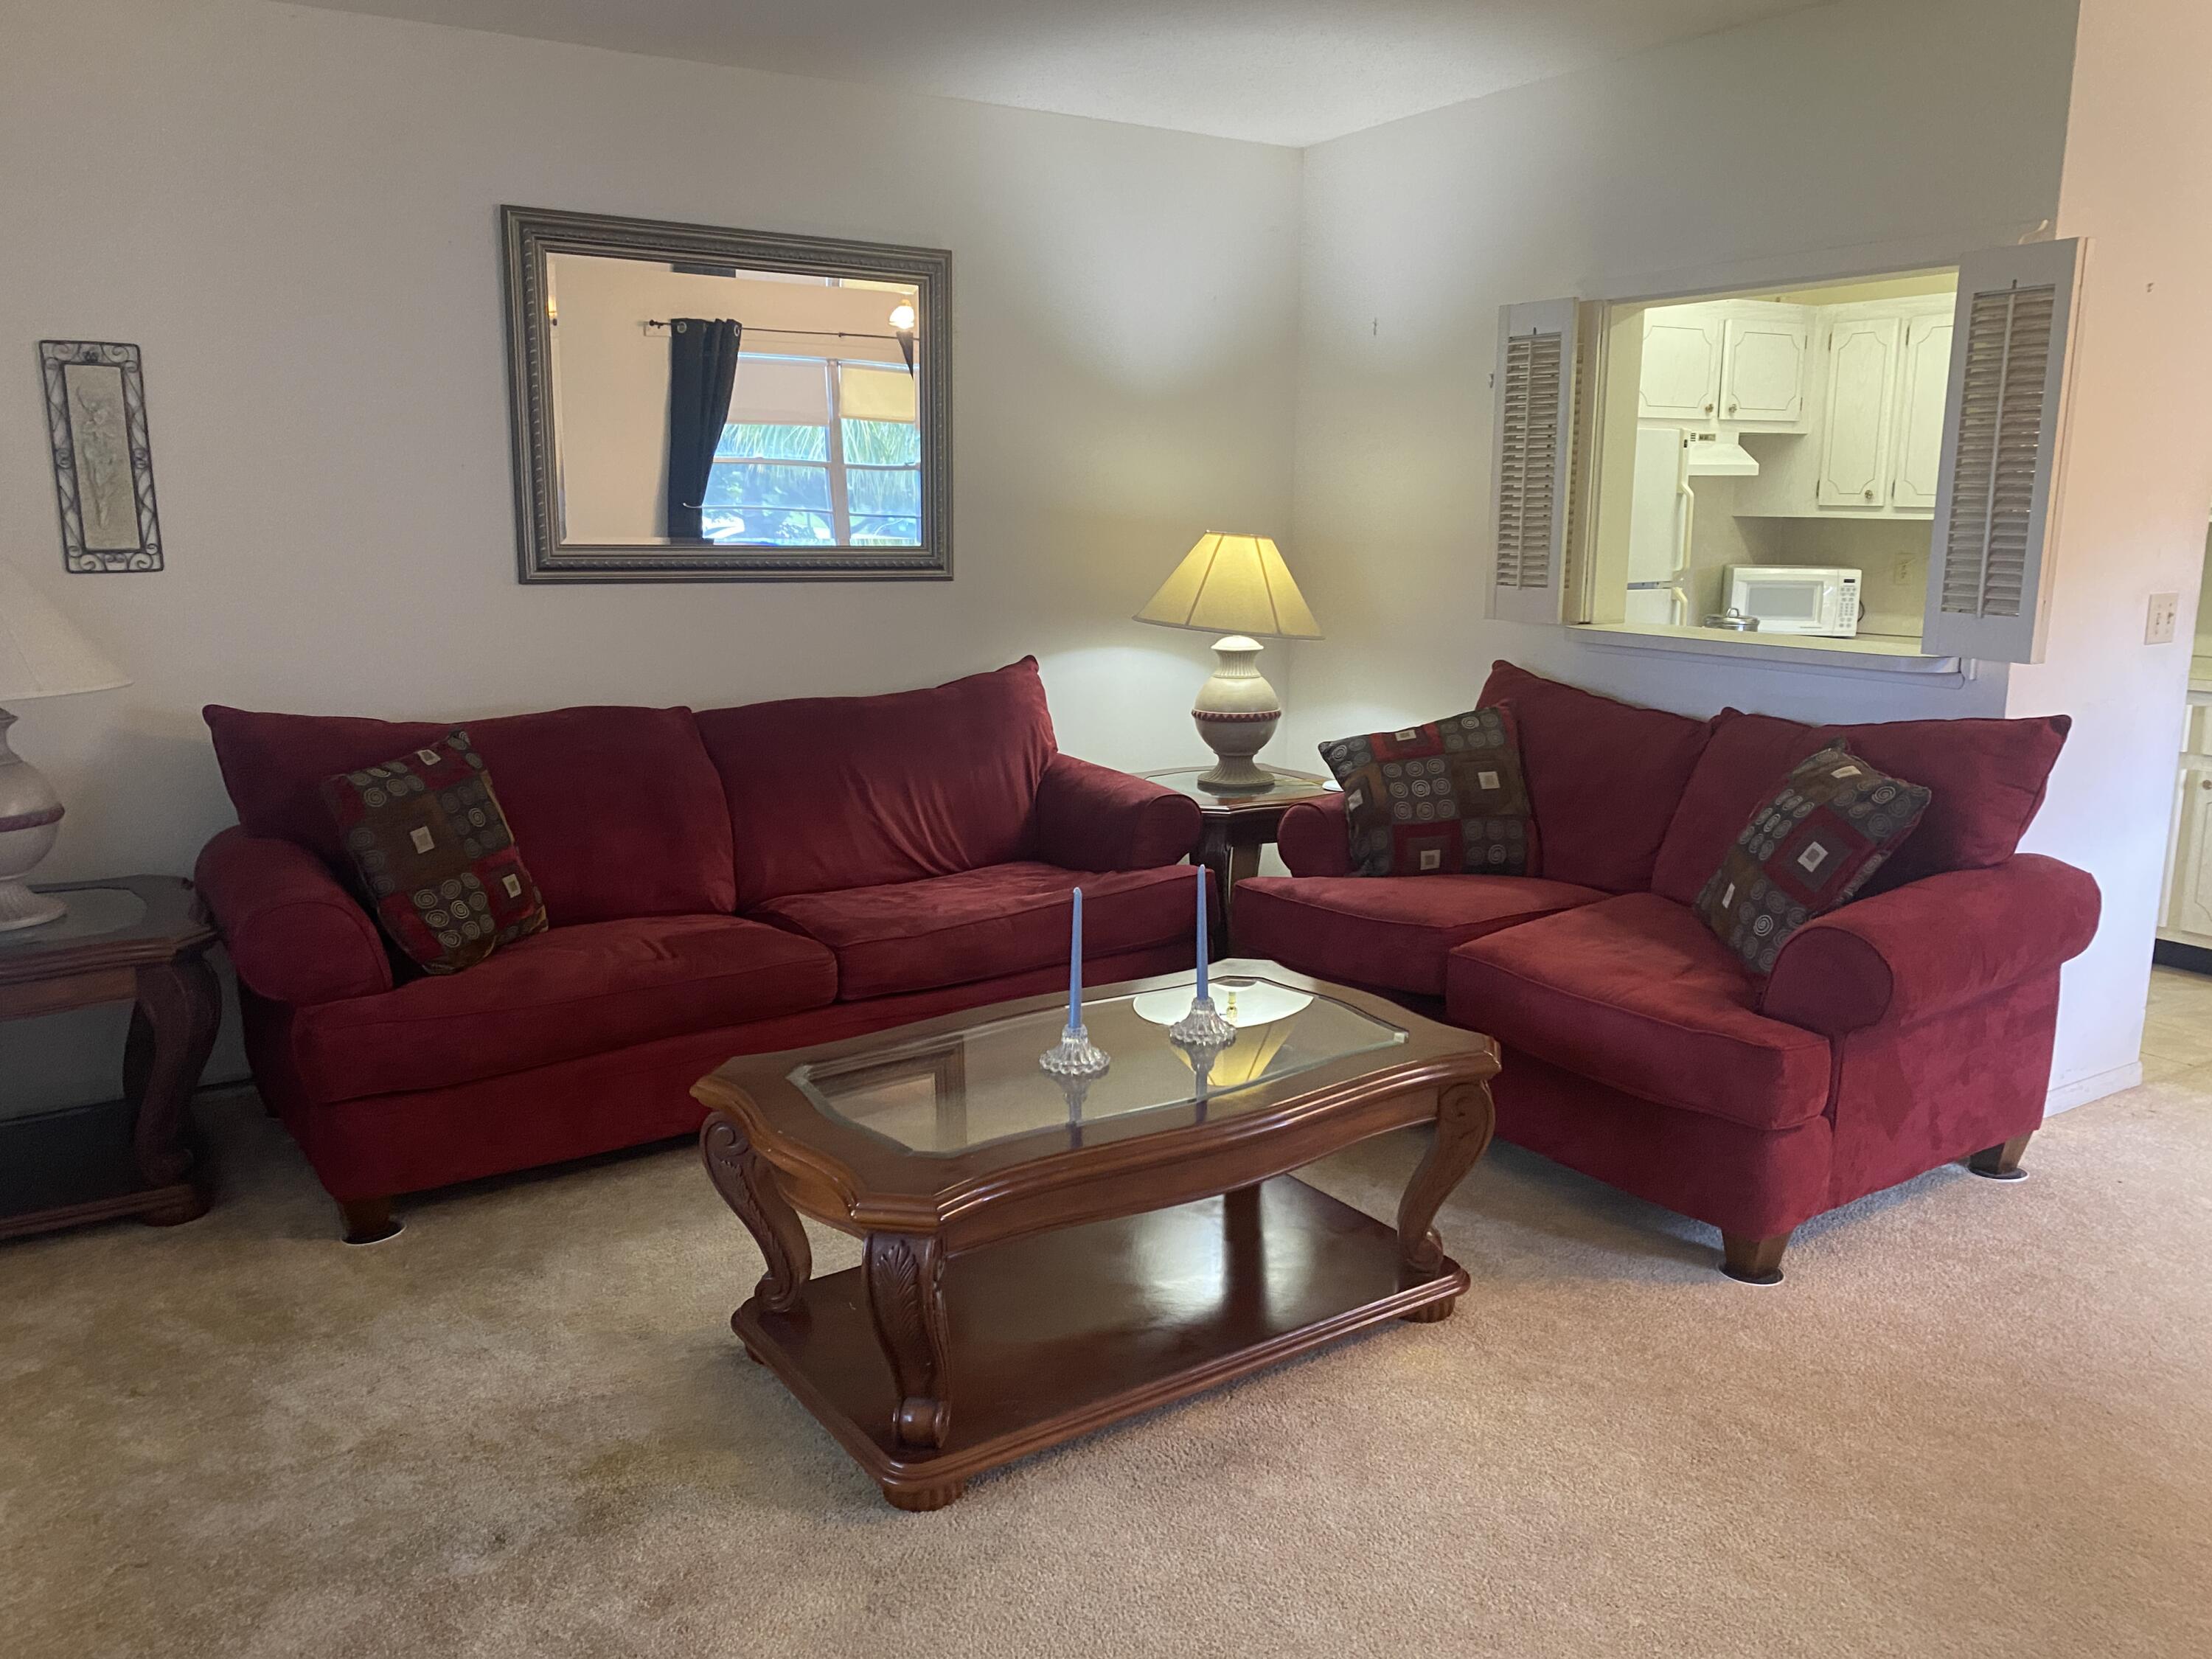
(1043, 1258)
(141, 939)
(1238, 826)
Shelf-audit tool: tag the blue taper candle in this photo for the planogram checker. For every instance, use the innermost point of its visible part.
(1075, 967)
(1201, 932)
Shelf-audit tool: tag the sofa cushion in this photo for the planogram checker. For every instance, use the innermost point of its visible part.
(557, 996)
(1741, 766)
(979, 924)
(1445, 797)
(1394, 933)
(832, 793)
(1988, 776)
(1605, 777)
(432, 853)
(618, 809)
(1808, 847)
(1635, 992)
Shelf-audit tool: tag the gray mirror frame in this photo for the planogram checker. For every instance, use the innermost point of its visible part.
(528, 234)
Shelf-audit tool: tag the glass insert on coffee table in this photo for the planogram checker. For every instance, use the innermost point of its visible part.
(1047, 1256)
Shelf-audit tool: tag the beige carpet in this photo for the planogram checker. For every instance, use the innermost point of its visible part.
(1974, 1420)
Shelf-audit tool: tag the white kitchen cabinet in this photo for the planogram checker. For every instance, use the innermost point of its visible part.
(1763, 355)
(1728, 365)
(1924, 381)
(1680, 382)
(1856, 421)
(2184, 913)
(2188, 913)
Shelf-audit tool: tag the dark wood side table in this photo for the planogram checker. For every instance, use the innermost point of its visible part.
(1238, 826)
(140, 939)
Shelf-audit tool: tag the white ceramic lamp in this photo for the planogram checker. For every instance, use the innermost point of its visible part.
(41, 655)
(1238, 587)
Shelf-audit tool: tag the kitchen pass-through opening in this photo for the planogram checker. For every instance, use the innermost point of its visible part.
(1765, 462)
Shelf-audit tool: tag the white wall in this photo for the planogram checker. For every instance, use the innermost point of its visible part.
(295, 213)
(1843, 137)
(2134, 487)
(1847, 137)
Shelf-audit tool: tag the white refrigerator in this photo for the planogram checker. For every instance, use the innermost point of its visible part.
(1661, 518)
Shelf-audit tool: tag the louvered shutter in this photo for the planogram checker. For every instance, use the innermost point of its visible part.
(1534, 440)
(1988, 572)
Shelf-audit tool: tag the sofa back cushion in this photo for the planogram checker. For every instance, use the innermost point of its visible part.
(618, 811)
(1604, 777)
(1747, 759)
(830, 793)
(1989, 778)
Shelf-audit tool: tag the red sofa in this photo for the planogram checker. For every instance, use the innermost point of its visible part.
(1906, 1029)
(731, 882)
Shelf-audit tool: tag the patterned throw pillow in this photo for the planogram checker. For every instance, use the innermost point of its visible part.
(1807, 850)
(1446, 797)
(433, 850)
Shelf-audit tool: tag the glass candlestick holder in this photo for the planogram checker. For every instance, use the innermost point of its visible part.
(1075, 1056)
(1203, 1027)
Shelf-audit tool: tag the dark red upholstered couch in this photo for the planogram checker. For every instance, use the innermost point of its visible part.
(1909, 1028)
(733, 882)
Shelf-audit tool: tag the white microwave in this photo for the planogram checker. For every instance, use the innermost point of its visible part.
(1790, 598)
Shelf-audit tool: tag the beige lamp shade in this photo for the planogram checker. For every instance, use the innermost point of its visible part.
(1233, 585)
(41, 652)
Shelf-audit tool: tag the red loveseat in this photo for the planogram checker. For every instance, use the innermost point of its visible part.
(1906, 1029)
(733, 882)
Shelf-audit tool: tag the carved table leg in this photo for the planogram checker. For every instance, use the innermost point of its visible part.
(1464, 1120)
(746, 1182)
(906, 1296)
(1217, 855)
(171, 1032)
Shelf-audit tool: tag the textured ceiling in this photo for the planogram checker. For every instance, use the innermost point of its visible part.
(1281, 71)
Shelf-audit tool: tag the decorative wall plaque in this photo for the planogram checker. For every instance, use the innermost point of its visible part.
(103, 462)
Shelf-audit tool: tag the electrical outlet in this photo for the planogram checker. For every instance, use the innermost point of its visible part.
(2165, 610)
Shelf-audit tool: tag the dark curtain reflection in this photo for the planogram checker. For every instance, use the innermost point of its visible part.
(703, 366)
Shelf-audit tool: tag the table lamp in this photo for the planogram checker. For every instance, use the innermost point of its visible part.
(41, 655)
(1239, 587)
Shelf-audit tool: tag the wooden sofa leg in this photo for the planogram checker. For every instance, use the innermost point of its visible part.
(1754, 1261)
(2001, 1163)
(367, 1220)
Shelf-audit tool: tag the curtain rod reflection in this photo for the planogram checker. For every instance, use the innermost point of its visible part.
(904, 337)
(823, 333)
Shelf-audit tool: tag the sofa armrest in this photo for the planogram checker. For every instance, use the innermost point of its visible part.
(1312, 839)
(1933, 944)
(294, 935)
(1091, 818)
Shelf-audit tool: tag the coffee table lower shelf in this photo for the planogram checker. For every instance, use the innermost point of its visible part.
(1053, 1336)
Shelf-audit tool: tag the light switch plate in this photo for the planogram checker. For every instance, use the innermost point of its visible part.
(2165, 610)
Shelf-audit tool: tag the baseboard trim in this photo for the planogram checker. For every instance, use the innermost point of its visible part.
(2095, 1086)
(2172, 953)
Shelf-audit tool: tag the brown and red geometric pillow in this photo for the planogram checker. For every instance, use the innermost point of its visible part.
(434, 855)
(1445, 798)
(1813, 844)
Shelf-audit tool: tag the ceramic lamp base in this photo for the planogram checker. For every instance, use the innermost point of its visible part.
(30, 818)
(22, 908)
(1237, 712)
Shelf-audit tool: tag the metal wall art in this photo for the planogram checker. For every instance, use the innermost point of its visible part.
(103, 462)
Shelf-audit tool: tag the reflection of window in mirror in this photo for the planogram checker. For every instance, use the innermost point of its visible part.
(820, 446)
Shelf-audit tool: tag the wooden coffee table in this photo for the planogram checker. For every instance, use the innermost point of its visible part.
(1043, 1259)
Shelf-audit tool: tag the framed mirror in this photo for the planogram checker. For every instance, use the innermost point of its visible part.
(697, 405)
